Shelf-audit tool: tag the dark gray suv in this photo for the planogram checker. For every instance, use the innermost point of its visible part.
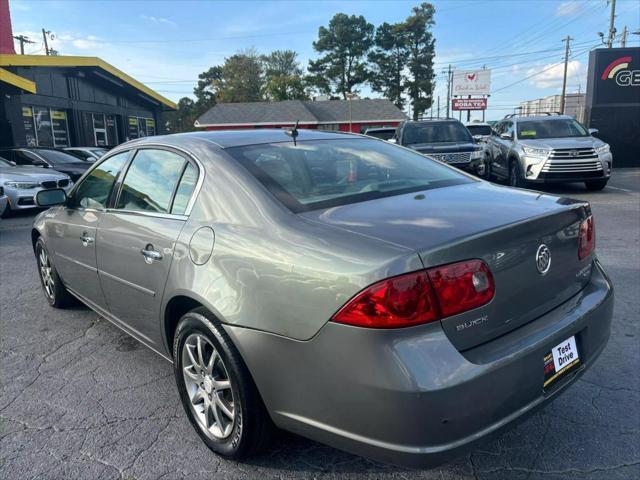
(444, 139)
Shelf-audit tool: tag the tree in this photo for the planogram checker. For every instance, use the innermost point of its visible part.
(388, 60)
(241, 80)
(421, 47)
(183, 118)
(345, 43)
(283, 76)
(205, 91)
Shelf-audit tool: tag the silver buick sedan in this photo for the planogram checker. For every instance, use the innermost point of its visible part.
(334, 285)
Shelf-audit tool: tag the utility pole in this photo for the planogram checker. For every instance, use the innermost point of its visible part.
(449, 81)
(564, 78)
(46, 44)
(612, 28)
(22, 39)
(438, 106)
(623, 37)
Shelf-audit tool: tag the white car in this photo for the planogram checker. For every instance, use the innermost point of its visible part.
(20, 185)
(88, 154)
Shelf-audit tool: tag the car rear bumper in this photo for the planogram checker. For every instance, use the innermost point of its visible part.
(407, 396)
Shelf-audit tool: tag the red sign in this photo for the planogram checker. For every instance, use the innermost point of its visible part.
(469, 104)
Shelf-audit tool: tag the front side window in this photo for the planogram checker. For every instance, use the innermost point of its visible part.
(95, 189)
(561, 128)
(326, 173)
(150, 181)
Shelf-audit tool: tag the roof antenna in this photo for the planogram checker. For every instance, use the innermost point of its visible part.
(293, 133)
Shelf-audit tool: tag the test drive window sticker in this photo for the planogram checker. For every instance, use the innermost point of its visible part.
(619, 70)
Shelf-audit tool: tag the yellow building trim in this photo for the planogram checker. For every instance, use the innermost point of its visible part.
(7, 60)
(17, 81)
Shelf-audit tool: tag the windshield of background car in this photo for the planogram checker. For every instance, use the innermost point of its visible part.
(533, 129)
(436, 132)
(479, 129)
(55, 157)
(327, 173)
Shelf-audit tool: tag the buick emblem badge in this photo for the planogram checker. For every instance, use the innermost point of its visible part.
(543, 259)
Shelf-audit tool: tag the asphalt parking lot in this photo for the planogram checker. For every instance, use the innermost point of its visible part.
(80, 399)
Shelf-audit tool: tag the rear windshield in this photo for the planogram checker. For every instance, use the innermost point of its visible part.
(479, 129)
(327, 173)
(383, 134)
(551, 129)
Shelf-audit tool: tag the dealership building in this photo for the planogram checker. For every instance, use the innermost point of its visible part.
(64, 101)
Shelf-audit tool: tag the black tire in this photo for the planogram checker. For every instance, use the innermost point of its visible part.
(7, 211)
(56, 293)
(488, 174)
(515, 175)
(596, 185)
(252, 427)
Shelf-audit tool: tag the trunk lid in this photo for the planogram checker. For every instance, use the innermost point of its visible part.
(502, 226)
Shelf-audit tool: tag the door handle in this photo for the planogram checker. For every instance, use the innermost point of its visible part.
(150, 254)
(86, 239)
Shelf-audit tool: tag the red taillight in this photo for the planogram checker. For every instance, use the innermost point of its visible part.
(396, 302)
(420, 297)
(587, 238)
(462, 286)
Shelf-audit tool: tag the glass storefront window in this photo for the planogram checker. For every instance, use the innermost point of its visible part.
(44, 134)
(45, 127)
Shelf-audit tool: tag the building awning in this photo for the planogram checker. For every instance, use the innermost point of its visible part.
(70, 61)
(17, 81)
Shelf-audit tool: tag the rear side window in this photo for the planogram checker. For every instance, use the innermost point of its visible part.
(95, 189)
(326, 173)
(150, 181)
(185, 190)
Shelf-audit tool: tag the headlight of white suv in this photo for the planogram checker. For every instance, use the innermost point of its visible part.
(21, 185)
(603, 149)
(536, 152)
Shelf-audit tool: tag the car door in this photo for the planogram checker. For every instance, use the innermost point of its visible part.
(136, 238)
(73, 233)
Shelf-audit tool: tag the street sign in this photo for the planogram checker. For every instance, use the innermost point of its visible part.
(471, 82)
(469, 104)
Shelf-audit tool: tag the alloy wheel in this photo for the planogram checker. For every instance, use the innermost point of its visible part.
(46, 273)
(208, 386)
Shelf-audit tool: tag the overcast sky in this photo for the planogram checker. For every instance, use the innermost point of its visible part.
(166, 44)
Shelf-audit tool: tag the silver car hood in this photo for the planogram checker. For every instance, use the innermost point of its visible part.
(30, 173)
(567, 142)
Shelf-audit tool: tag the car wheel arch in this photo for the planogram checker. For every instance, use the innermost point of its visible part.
(35, 234)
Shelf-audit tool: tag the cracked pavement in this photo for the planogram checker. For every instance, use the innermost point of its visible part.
(80, 399)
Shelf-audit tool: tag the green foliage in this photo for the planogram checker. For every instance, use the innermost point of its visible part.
(388, 60)
(421, 47)
(345, 45)
(183, 118)
(242, 79)
(283, 76)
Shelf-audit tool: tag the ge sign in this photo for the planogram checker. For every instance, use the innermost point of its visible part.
(471, 82)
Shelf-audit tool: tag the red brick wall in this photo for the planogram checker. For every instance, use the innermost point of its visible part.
(6, 35)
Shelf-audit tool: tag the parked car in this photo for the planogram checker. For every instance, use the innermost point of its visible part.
(3, 201)
(548, 149)
(383, 133)
(88, 154)
(46, 158)
(480, 131)
(20, 184)
(444, 139)
(341, 287)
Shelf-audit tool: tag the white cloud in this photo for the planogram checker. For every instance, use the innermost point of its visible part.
(552, 75)
(159, 20)
(566, 9)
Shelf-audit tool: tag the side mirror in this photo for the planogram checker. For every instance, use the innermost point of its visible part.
(477, 138)
(39, 163)
(593, 131)
(50, 198)
(392, 140)
(506, 136)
